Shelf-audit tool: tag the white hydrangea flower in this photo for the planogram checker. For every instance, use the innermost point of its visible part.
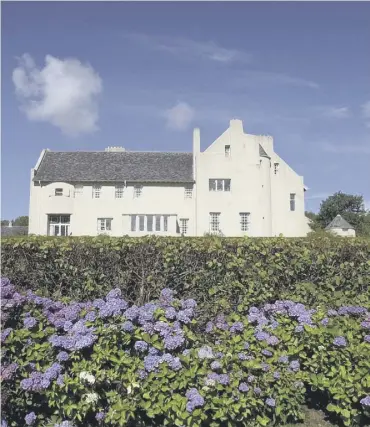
(86, 376)
(91, 397)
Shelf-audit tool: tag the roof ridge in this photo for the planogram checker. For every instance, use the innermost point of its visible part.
(123, 152)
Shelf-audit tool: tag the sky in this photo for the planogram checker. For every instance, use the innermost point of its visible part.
(88, 75)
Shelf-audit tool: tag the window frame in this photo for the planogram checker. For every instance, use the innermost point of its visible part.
(184, 226)
(96, 191)
(188, 192)
(244, 221)
(219, 184)
(227, 150)
(214, 220)
(292, 201)
(58, 192)
(107, 225)
(276, 167)
(119, 191)
(59, 222)
(138, 191)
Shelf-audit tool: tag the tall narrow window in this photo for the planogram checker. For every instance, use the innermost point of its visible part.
(78, 190)
(96, 191)
(227, 151)
(165, 223)
(133, 222)
(138, 190)
(188, 192)
(227, 184)
(184, 225)
(276, 168)
(104, 224)
(141, 222)
(214, 222)
(149, 222)
(292, 201)
(119, 190)
(158, 223)
(59, 191)
(244, 221)
(212, 185)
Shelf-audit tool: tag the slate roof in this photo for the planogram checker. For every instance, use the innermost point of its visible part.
(16, 230)
(106, 166)
(339, 222)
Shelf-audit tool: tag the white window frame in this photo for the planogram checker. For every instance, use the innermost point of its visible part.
(104, 225)
(292, 202)
(119, 191)
(96, 191)
(138, 191)
(139, 223)
(214, 222)
(244, 221)
(184, 226)
(59, 225)
(227, 150)
(276, 168)
(188, 192)
(58, 192)
(78, 190)
(219, 184)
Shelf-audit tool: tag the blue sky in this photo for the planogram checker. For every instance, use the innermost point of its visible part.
(84, 76)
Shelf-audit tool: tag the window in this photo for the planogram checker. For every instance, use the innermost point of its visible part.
(119, 190)
(244, 221)
(188, 192)
(59, 225)
(276, 168)
(59, 191)
(292, 201)
(149, 223)
(138, 189)
(214, 222)
(227, 151)
(219, 184)
(78, 191)
(104, 224)
(96, 191)
(184, 225)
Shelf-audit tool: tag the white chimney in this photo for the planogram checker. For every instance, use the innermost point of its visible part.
(115, 149)
(236, 125)
(196, 141)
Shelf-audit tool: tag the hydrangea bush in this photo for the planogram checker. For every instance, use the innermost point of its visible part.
(108, 363)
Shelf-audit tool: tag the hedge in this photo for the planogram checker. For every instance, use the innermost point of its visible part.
(217, 272)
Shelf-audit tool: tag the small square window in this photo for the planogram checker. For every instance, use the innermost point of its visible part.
(104, 224)
(119, 190)
(188, 192)
(138, 190)
(96, 192)
(59, 191)
(244, 221)
(292, 201)
(227, 184)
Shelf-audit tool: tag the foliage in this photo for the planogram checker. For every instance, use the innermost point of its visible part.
(349, 206)
(104, 362)
(21, 220)
(219, 273)
(4, 222)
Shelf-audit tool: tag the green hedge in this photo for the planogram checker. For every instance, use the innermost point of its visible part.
(217, 272)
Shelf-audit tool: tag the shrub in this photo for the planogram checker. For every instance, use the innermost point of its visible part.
(106, 362)
(220, 273)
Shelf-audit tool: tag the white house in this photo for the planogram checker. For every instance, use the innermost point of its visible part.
(238, 186)
(341, 227)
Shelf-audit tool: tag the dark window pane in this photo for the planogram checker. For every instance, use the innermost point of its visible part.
(149, 225)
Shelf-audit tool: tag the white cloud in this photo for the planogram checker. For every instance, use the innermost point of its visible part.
(180, 116)
(334, 112)
(253, 78)
(64, 93)
(318, 196)
(186, 48)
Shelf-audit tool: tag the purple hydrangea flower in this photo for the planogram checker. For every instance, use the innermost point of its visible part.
(243, 387)
(114, 294)
(270, 402)
(246, 346)
(141, 346)
(221, 323)
(262, 336)
(90, 316)
(5, 333)
(128, 326)
(29, 323)
(205, 353)
(265, 367)
(299, 328)
(367, 338)
(188, 303)
(325, 321)
(215, 365)
(340, 342)
(294, 365)
(223, 379)
(185, 316)
(167, 297)
(272, 340)
(257, 390)
(283, 359)
(186, 352)
(100, 416)
(173, 342)
(237, 327)
(365, 401)
(142, 374)
(7, 372)
(365, 324)
(132, 313)
(62, 356)
(266, 352)
(30, 418)
(251, 378)
(276, 375)
(195, 400)
(60, 380)
(170, 313)
(151, 363)
(332, 313)
(209, 327)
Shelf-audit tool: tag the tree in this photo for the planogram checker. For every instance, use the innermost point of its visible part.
(314, 224)
(21, 220)
(4, 222)
(350, 207)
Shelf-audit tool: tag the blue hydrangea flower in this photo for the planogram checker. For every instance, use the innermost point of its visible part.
(283, 359)
(367, 338)
(188, 303)
(128, 326)
(365, 401)
(62, 356)
(266, 352)
(29, 322)
(257, 390)
(270, 402)
(209, 327)
(243, 387)
(114, 294)
(215, 365)
(294, 365)
(237, 327)
(100, 416)
(276, 375)
(170, 313)
(30, 418)
(195, 400)
(340, 342)
(251, 378)
(141, 346)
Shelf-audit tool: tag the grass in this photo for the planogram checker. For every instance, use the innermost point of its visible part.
(314, 418)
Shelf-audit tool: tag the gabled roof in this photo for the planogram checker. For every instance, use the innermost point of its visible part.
(339, 222)
(106, 166)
